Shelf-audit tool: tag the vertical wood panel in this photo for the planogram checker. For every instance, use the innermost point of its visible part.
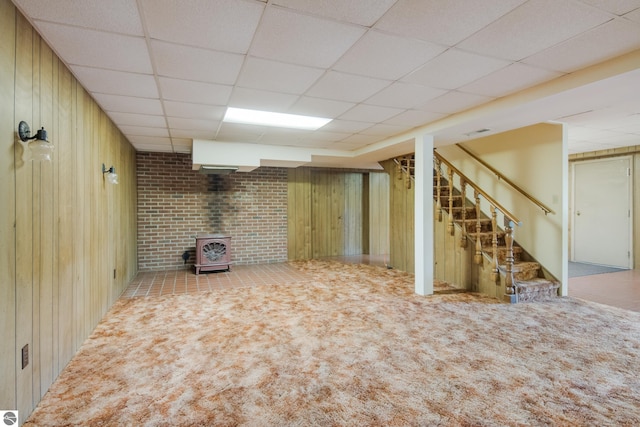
(380, 206)
(8, 148)
(78, 237)
(366, 214)
(66, 216)
(47, 226)
(336, 220)
(401, 220)
(55, 288)
(325, 213)
(96, 217)
(36, 224)
(379, 213)
(299, 214)
(24, 215)
(410, 229)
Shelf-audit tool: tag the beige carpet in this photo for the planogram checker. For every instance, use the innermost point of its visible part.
(353, 347)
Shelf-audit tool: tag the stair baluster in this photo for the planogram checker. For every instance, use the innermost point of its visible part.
(478, 255)
(408, 172)
(463, 197)
(450, 228)
(509, 281)
(495, 276)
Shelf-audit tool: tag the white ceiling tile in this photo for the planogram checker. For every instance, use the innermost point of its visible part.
(234, 132)
(604, 42)
(631, 128)
(355, 142)
(583, 147)
(413, 118)
(618, 7)
(226, 25)
(364, 13)
(601, 118)
(277, 136)
(128, 104)
(578, 132)
(361, 140)
(453, 69)
(97, 49)
(143, 131)
(370, 113)
(192, 133)
(287, 36)
(124, 119)
(118, 16)
(382, 129)
(386, 56)
(346, 87)
(454, 101)
(254, 99)
(510, 79)
(313, 143)
(364, 49)
(193, 63)
(443, 21)
(277, 76)
(149, 140)
(346, 126)
(116, 82)
(193, 124)
(194, 111)
(608, 136)
(182, 142)
(404, 95)
(319, 107)
(195, 92)
(534, 26)
(324, 135)
(633, 16)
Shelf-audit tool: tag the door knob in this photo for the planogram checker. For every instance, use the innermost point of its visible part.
(578, 213)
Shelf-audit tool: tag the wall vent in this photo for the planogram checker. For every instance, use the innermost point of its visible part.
(217, 170)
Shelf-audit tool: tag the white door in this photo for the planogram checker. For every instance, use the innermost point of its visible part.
(602, 212)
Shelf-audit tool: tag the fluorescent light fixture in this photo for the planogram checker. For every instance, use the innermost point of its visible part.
(267, 118)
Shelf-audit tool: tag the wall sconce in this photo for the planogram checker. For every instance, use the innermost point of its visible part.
(40, 148)
(112, 176)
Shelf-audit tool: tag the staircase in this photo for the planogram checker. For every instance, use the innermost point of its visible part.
(523, 279)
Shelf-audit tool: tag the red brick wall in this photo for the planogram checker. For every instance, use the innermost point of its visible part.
(176, 203)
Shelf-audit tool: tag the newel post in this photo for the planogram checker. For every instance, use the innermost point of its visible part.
(510, 288)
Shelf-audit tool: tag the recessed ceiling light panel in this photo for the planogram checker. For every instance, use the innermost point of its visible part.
(268, 118)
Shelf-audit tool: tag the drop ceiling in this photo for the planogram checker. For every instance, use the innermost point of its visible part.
(165, 71)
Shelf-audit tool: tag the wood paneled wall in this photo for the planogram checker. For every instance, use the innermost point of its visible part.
(378, 213)
(329, 213)
(67, 238)
(401, 220)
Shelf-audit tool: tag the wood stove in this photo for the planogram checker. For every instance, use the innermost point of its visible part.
(213, 252)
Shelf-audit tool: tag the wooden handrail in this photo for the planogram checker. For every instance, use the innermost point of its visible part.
(511, 288)
(541, 205)
(489, 199)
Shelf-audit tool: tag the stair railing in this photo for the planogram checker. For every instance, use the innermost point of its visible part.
(545, 208)
(510, 220)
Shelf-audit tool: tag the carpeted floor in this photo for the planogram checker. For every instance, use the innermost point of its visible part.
(352, 347)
